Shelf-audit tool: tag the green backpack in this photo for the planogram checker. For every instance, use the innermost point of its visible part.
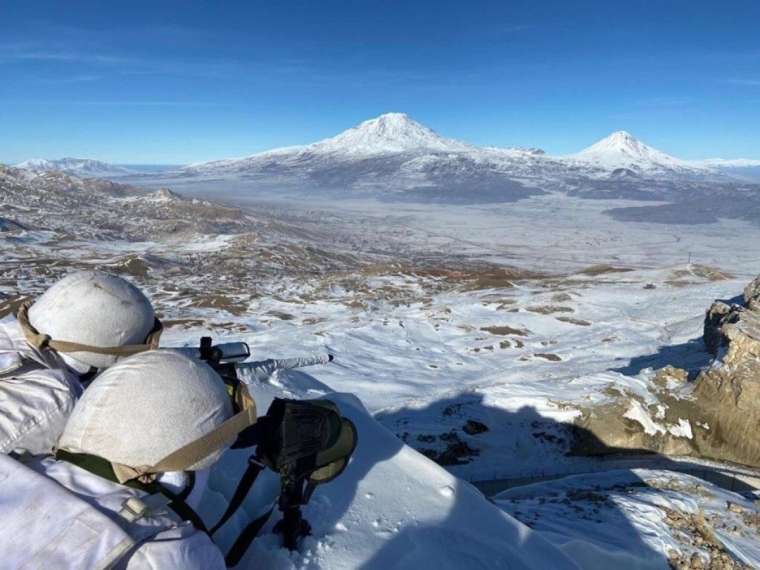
(308, 443)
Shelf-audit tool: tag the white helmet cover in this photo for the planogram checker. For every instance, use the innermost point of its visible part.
(145, 407)
(93, 308)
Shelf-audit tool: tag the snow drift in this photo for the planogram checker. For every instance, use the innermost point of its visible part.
(391, 508)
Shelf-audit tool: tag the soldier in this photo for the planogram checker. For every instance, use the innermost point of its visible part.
(81, 325)
(128, 472)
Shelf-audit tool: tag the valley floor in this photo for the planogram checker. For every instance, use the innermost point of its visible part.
(474, 334)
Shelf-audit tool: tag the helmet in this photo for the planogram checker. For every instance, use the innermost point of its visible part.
(95, 309)
(145, 407)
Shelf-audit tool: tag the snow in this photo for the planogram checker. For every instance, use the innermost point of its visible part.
(727, 162)
(408, 154)
(427, 352)
(683, 429)
(622, 150)
(638, 414)
(637, 518)
(388, 133)
(391, 508)
(77, 166)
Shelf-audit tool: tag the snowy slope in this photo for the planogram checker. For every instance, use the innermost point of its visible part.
(740, 168)
(622, 150)
(728, 162)
(632, 519)
(393, 155)
(427, 335)
(391, 508)
(77, 166)
(388, 133)
(389, 154)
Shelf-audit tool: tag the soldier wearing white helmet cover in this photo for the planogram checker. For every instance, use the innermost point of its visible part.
(83, 323)
(129, 469)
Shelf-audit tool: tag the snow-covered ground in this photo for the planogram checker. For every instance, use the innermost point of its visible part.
(472, 334)
(640, 519)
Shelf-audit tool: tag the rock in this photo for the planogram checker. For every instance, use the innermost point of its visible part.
(724, 396)
(550, 356)
(734, 508)
(455, 452)
(728, 395)
(670, 374)
(752, 295)
(166, 195)
(606, 429)
(474, 427)
(718, 314)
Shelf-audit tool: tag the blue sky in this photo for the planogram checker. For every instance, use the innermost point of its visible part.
(176, 82)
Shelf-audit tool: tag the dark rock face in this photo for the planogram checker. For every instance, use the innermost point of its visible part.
(474, 427)
(719, 314)
(752, 295)
(723, 313)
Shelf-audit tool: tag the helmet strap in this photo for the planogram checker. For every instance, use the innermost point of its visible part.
(41, 341)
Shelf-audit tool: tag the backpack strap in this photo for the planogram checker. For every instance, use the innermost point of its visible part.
(133, 510)
(247, 481)
(244, 539)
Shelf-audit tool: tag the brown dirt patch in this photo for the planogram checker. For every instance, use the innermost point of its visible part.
(549, 309)
(505, 330)
(183, 323)
(602, 269)
(551, 357)
(572, 321)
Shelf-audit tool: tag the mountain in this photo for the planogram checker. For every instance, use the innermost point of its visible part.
(76, 166)
(393, 157)
(622, 150)
(389, 133)
(94, 208)
(740, 168)
(393, 154)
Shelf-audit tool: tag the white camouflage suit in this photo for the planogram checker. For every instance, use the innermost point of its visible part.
(86, 527)
(37, 393)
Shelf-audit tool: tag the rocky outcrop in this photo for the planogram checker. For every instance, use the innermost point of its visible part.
(728, 392)
(716, 416)
(721, 314)
(752, 295)
(718, 314)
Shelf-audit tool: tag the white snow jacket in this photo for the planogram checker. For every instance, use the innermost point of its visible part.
(37, 393)
(262, 369)
(56, 515)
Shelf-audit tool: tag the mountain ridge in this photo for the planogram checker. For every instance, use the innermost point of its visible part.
(394, 146)
(397, 133)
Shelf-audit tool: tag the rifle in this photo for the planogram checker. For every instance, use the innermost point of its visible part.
(224, 358)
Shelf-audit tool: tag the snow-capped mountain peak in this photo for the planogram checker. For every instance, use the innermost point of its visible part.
(77, 166)
(391, 132)
(622, 150)
(34, 163)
